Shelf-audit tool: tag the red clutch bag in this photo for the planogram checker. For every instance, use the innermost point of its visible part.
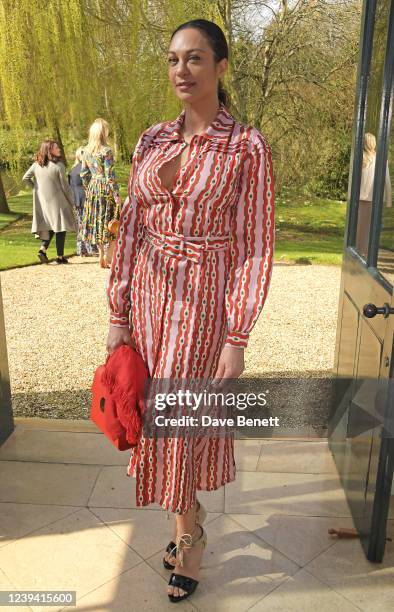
(118, 397)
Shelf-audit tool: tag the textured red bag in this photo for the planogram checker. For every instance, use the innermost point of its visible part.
(117, 397)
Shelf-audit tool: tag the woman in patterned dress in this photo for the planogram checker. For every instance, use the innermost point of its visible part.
(84, 248)
(103, 203)
(190, 274)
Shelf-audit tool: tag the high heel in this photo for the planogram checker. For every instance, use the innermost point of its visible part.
(186, 583)
(201, 515)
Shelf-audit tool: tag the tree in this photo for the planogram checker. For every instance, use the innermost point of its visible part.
(294, 78)
(292, 70)
(3, 200)
(43, 67)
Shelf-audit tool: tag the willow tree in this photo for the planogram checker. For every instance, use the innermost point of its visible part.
(65, 62)
(132, 38)
(44, 65)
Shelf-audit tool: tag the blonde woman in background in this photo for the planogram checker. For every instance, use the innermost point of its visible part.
(84, 248)
(366, 190)
(103, 203)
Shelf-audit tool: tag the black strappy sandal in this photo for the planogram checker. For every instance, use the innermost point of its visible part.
(201, 515)
(171, 548)
(185, 583)
(182, 582)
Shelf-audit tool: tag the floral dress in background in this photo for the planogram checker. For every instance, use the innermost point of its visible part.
(102, 202)
(84, 248)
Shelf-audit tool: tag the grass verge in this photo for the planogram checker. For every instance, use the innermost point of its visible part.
(308, 230)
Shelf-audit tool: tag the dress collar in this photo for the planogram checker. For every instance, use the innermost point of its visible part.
(220, 128)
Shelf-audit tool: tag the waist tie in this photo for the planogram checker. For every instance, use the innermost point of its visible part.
(190, 247)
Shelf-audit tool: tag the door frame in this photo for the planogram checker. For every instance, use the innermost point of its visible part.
(382, 146)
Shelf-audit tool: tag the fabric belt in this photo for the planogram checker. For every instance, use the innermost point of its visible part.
(190, 247)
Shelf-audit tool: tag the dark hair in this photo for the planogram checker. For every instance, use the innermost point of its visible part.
(45, 154)
(217, 42)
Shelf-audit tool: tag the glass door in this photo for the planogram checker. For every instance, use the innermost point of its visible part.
(359, 437)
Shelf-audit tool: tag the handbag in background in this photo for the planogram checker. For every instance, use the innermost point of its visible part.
(113, 227)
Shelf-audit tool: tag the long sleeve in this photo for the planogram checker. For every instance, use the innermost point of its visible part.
(119, 279)
(252, 244)
(65, 184)
(110, 176)
(85, 173)
(387, 189)
(29, 174)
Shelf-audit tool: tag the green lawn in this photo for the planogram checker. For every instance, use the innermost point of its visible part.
(7, 219)
(19, 205)
(18, 247)
(309, 229)
(305, 248)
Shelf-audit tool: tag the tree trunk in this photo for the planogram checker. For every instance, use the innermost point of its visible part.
(59, 137)
(123, 151)
(3, 200)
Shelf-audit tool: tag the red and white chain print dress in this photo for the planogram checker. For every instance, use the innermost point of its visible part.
(190, 274)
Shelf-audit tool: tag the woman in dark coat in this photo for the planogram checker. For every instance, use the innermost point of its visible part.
(84, 248)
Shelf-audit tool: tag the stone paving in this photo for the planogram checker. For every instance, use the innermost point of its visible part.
(69, 522)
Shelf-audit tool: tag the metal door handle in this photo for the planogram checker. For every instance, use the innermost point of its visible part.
(370, 310)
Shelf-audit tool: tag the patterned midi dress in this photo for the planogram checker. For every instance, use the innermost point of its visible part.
(74, 178)
(102, 202)
(190, 274)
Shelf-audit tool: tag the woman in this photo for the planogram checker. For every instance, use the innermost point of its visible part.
(192, 265)
(103, 202)
(366, 191)
(83, 248)
(53, 202)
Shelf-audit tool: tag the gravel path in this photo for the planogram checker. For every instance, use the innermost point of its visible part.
(57, 322)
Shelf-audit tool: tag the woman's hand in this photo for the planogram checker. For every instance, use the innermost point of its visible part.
(116, 337)
(231, 363)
